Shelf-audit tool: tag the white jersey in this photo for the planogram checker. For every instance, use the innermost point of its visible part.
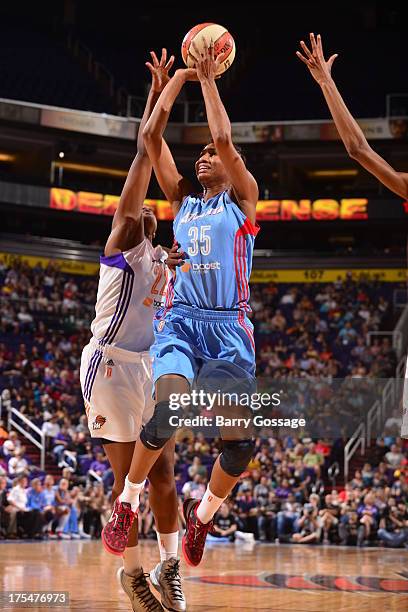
(132, 285)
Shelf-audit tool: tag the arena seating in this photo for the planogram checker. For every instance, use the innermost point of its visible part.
(301, 331)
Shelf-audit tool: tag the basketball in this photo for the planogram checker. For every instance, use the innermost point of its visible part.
(223, 44)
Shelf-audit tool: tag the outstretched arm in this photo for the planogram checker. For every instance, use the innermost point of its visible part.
(348, 128)
(173, 185)
(127, 227)
(243, 183)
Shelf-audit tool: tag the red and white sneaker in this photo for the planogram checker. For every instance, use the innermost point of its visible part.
(196, 532)
(115, 534)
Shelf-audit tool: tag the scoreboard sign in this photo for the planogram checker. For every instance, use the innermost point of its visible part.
(304, 209)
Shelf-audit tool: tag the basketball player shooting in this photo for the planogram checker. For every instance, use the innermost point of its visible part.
(204, 323)
(116, 374)
(354, 141)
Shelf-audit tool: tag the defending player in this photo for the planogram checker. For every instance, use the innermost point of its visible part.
(354, 141)
(116, 376)
(204, 324)
(348, 128)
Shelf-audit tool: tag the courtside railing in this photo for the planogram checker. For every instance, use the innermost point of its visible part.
(16, 420)
(357, 440)
(376, 416)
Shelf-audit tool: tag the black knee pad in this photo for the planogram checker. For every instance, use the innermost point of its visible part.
(236, 455)
(160, 429)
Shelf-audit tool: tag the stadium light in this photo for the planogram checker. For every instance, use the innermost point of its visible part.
(332, 173)
(90, 169)
(7, 157)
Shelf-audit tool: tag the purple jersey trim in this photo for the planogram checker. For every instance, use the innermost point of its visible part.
(115, 261)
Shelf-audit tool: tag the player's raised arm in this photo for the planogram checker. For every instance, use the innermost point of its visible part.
(243, 183)
(127, 227)
(349, 130)
(173, 185)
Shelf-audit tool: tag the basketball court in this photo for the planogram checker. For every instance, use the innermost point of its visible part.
(262, 577)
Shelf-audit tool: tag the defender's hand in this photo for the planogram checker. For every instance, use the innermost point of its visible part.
(320, 69)
(160, 70)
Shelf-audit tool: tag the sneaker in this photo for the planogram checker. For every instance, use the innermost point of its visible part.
(52, 536)
(63, 536)
(138, 591)
(165, 578)
(75, 536)
(85, 536)
(115, 534)
(196, 532)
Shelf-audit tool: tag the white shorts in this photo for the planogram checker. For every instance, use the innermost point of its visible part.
(117, 388)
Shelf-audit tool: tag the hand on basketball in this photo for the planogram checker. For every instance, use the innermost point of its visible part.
(314, 59)
(160, 70)
(207, 63)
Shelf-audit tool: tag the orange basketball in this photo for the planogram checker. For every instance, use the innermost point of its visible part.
(223, 44)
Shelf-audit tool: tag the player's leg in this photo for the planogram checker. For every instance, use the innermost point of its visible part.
(171, 355)
(165, 577)
(155, 435)
(230, 370)
(131, 575)
(228, 467)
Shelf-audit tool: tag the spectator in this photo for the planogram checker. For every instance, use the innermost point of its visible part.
(197, 468)
(368, 518)
(394, 457)
(287, 520)
(309, 531)
(225, 523)
(11, 445)
(194, 488)
(17, 465)
(313, 460)
(28, 521)
(394, 525)
(50, 429)
(63, 503)
(5, 510)
(94, 509)
(99, 466)
(329, 517)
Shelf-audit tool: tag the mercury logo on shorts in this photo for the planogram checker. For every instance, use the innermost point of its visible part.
(160, 325)
(98, 422)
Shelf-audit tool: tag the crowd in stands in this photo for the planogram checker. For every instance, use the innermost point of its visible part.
(303, 332)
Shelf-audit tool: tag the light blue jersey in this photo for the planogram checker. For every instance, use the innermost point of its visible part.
(218, 240)
(204, 325)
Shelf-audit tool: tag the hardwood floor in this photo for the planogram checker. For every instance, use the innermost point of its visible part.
(231, 577)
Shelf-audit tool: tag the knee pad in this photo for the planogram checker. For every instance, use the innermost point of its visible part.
(161, 426)
(236, 455)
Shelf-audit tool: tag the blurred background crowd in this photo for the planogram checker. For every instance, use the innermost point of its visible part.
(293, 489)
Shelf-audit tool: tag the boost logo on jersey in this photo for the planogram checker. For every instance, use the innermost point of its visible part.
(201, 267)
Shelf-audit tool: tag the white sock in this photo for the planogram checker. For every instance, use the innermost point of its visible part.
(131, 560)
(131, 493)
(168, 545)
(208, 506)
